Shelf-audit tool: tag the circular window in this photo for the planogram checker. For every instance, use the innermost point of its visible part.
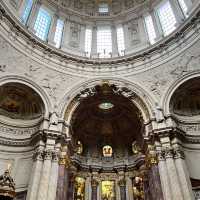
(106, 106)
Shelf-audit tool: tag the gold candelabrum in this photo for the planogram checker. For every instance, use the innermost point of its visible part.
(7, 185)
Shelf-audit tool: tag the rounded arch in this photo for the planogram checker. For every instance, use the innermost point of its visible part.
(165, 101)
(24, 81)
(142, 99)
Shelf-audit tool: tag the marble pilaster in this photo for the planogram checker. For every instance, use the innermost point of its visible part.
(35, 175)
(53, 178)
(52, 30)
(165, 183)
(183, 174)
(114, 41)
(94, 42)
(45, 176)
(66, 35)
(173, 177)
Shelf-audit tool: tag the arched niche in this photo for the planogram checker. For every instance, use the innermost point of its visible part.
(138, 95)
(185, 101)
(18, 101)
(132, 109)
(107, 118)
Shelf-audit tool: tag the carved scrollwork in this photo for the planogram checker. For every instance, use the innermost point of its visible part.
(38, 155)
(48, 154)
(179, 153)
(168, 152)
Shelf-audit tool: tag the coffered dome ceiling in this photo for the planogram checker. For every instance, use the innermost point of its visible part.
(90, 6)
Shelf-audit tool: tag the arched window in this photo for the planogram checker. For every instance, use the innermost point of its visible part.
(42, 24)
(167, 18)
(59, 33)
(27, 11)
(104, 41)
(88, 41)
(150, 29)
(184, 7)
(120, 40)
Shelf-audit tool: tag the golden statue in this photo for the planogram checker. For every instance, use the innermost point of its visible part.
(138, 190)
(79, 148)
(135, 148)
(79, 188)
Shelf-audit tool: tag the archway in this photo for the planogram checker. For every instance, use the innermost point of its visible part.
(22, 111)
(184, 107)
(107, 131)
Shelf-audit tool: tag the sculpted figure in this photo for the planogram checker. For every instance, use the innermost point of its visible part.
(138, 192)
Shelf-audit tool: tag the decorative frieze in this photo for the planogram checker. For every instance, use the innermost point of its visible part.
(18, 131)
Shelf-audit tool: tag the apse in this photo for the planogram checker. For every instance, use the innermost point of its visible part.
(186, 99)
(18, 101)
(106, 126)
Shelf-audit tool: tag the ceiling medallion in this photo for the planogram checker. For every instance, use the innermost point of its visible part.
(106, 106)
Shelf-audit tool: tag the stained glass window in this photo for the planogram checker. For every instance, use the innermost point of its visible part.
(59, 32)
(27, 10)
(167, 18)
(42, 24)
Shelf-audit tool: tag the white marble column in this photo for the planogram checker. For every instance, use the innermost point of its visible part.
(33, 15)
(173, 176)
(52, 30)
(45, 176)
(114, 41)
(164, 177)
(53, 178)
(183, 174)
(94, 42)
(35, 175)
